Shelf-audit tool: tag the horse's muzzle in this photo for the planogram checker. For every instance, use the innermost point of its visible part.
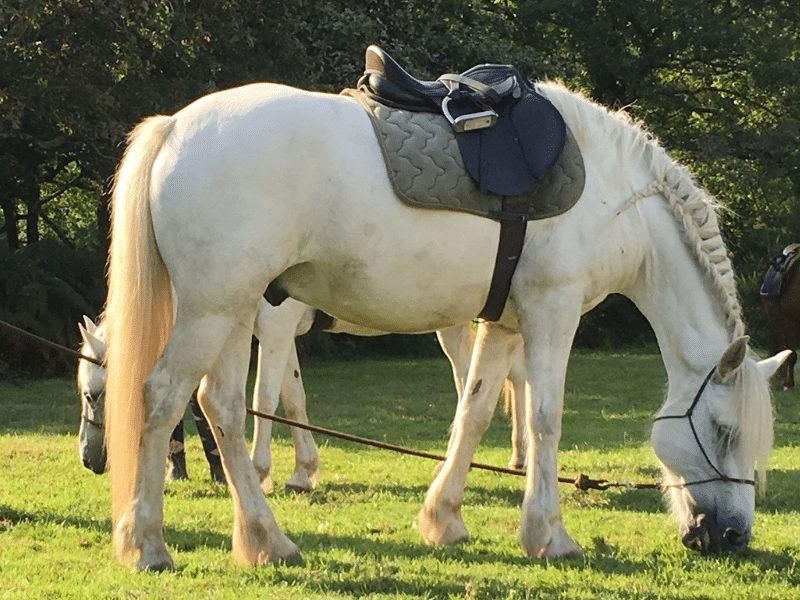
(706, 535)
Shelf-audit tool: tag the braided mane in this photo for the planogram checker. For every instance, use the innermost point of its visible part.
(691, 206)
(694, 209)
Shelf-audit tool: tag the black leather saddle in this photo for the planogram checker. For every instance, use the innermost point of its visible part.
(509, 135)
(780, 267)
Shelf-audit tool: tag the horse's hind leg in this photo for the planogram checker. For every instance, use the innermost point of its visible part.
(256, 536)
(176, 458)
(190, 351)
(440, 520)
(306, 460)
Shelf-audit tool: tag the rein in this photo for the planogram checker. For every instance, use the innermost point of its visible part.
(688, 416)
(582, 482)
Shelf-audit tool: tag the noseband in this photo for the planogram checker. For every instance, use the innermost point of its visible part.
(84, 412)
(688, 416)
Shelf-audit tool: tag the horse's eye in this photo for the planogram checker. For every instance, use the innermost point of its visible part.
(94, 400)
(726, 436)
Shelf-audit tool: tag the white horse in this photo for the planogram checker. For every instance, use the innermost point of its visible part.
(267, 183)
(91, 382)
(278, 379)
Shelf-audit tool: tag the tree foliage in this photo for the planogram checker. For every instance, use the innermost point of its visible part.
(717, 84)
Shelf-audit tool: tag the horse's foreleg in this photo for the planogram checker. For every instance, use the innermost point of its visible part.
(207, 440)
(440, 520)
(306, 460)
(176, 459)
(548, 327)
(457, 343)
(256, 536)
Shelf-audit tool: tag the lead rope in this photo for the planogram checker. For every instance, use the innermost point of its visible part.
(582, 482)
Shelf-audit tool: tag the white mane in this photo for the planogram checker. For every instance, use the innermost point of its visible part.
(694, 209)
(691, 206)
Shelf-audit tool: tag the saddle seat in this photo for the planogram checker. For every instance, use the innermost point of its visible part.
(780, 267)
(396, 87)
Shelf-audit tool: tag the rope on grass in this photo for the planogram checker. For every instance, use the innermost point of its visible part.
(582, 482)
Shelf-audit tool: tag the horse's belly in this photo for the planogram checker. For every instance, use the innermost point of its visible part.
(399, 279)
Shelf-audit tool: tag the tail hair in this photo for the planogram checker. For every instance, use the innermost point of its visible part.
(138, 308)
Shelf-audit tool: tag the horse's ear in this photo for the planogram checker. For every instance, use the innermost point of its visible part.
(733, 357)
(97, 345)
(89, 325)
(768, 366)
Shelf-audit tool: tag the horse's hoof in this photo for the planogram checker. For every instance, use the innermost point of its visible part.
(436, 533)
(218, 475)
(293, 488)
(177, 472)
(294, 559)
(559, 546)
(158, 567)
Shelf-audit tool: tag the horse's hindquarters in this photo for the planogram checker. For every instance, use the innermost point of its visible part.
(241, 201)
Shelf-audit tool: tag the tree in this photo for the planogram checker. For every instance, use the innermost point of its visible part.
(718, 86)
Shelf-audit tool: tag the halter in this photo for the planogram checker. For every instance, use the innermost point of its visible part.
(85, 417)
(688, 415)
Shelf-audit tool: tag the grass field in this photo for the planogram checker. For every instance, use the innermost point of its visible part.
(357, 531)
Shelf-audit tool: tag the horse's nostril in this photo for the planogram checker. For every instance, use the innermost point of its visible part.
(694, 543)
(698, 537)
(734, 539)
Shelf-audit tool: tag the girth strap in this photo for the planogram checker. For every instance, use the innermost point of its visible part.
(509, 249)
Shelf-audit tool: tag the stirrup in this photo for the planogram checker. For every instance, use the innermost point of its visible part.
(482, 119)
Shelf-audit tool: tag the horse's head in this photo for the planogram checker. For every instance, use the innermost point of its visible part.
(91, 381)
(709, 446)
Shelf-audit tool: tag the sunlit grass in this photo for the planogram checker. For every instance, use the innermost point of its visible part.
(357, 530)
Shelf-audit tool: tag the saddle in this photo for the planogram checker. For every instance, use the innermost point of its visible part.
(780, 267)
(508, 135)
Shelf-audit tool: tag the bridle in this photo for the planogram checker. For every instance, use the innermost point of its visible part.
(84, 411)
(688, 416)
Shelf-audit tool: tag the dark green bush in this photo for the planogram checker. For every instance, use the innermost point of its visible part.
(45, 288)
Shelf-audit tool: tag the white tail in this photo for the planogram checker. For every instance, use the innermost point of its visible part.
(138, 308)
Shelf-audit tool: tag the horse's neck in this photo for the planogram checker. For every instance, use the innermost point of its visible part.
(678, 300)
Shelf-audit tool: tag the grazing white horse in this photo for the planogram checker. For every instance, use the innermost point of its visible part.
(267, 183)
(278, 378)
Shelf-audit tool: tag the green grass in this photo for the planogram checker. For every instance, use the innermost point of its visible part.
(357, 532)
